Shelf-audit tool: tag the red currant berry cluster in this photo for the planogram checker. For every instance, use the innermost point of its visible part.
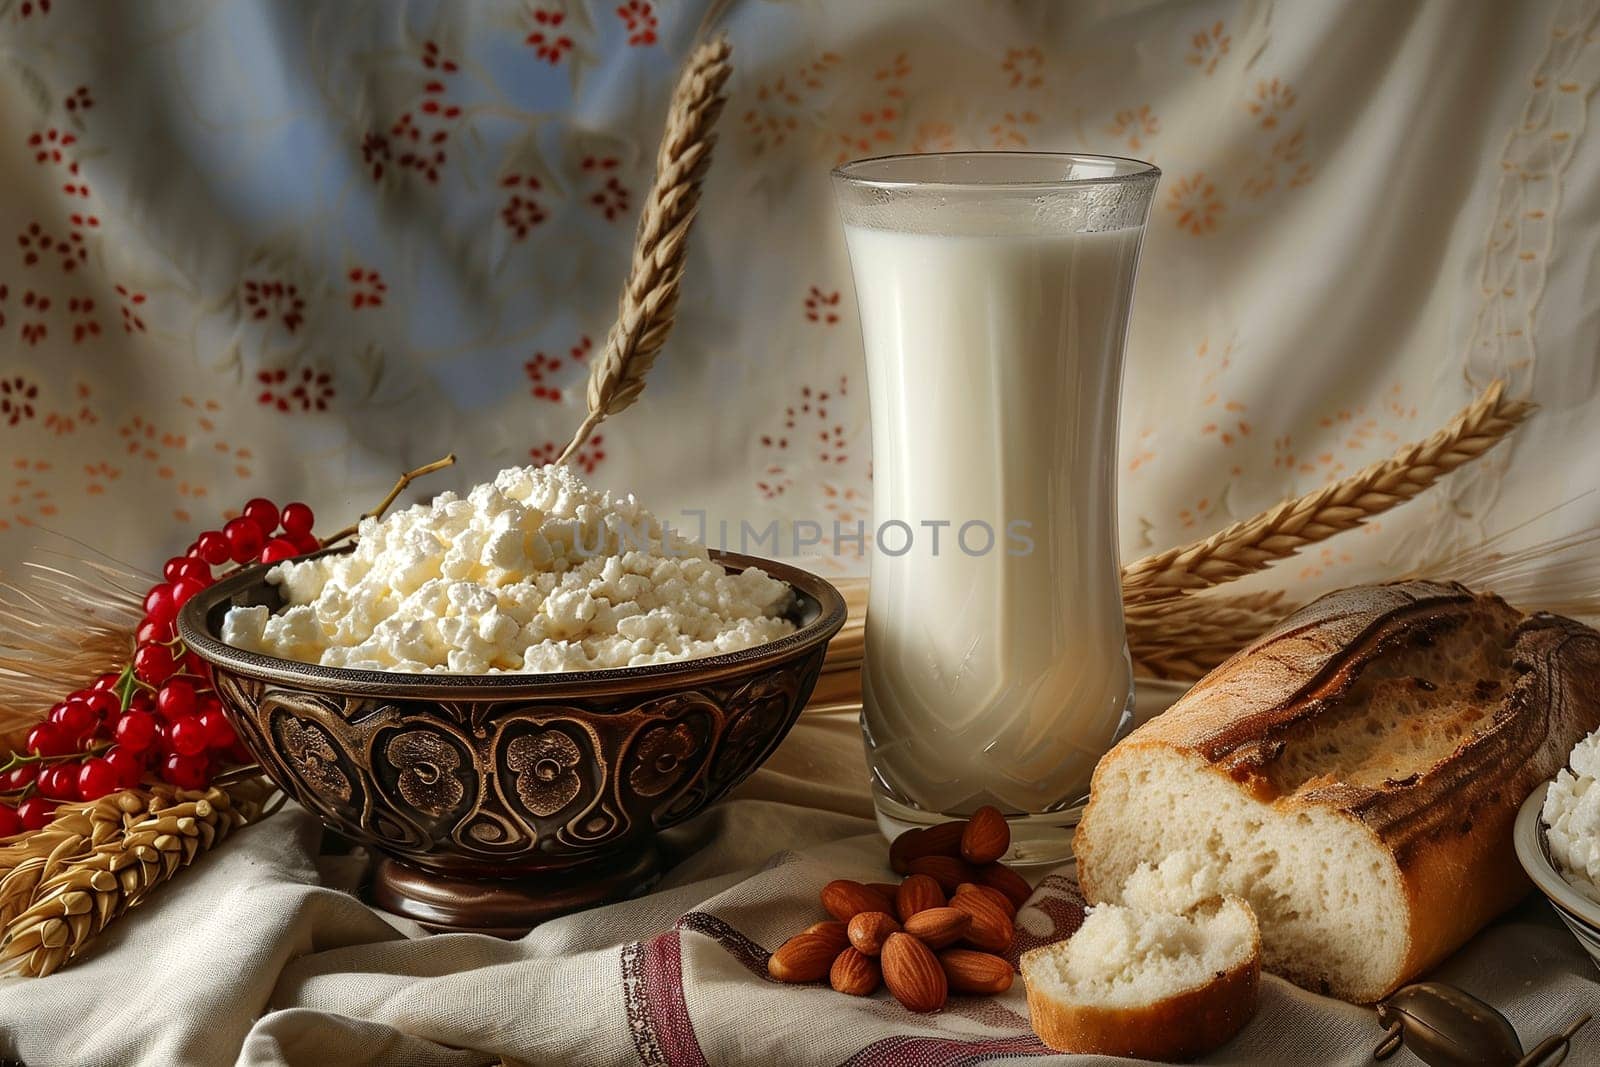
(161, 712)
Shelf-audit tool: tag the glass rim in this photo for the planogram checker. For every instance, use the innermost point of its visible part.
(1140, 170)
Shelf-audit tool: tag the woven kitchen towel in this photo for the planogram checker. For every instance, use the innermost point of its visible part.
(257, 957)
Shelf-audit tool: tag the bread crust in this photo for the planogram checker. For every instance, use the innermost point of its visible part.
(1179, 1027)
(1447, 825)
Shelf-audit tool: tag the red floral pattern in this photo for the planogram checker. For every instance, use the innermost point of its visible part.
(639, 19)
(306, 388)
(546, 41)
(130, 303)
(17, 396)
(521, 211)
(366, 288)
(267, 298)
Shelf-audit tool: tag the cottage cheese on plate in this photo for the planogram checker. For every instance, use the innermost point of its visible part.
(1572, 818)
(532, 573)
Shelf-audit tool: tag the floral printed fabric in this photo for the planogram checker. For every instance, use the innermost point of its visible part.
(257, 248)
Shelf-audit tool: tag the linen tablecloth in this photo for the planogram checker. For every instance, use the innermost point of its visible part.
(260, 956)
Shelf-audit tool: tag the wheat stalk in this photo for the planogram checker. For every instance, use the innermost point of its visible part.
(1185, 638)
(650, 296)
(64, 884)
(1281, 531)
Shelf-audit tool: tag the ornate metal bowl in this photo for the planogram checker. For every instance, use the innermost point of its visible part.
(509, 798)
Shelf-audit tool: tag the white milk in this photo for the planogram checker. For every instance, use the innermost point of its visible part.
(994, 366)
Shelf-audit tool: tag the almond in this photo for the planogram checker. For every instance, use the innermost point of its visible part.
(974, 972)
(917, 893)
(986, 837)
(939, 927)
(802, 958)
(888, 889)
(844, 899)
(902, 850)
(1013, 885)
(913, 975)
(990, 892)
(948, 871)
(833, 930)
(992, 929)
(870, 929)
(941, 840)
(855, 973)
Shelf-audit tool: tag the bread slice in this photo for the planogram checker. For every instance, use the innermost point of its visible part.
(1354, 775)
(1148, 983)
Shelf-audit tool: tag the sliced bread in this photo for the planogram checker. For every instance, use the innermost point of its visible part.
(1149, 983)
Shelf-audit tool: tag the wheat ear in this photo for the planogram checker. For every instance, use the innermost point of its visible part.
(1281, 531)
(62, 885)
(650, 296)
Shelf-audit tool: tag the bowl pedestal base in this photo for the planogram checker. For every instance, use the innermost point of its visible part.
(509, 907)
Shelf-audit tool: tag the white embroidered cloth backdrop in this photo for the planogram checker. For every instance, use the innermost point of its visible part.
(292, 249)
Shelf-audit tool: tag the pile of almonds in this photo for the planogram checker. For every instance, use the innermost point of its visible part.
(944, 929)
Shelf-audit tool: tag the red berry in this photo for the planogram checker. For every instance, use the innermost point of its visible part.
(18, 778)
(245, 540)
(151, 632)
(176, 699)
(297, 518)
(279, 548)
(108, 680)
(76, 717)
(219, 731)
(154, 664)
(127, 766)
(238, 753)
(262, 512)
(136, 731)
(159, 605)
(60, 782)
(210, 702)
(187, 737)
(142, 701)
(185, 772)
(48, 739)
(212, 547)
(193, 664)
(36, 812)
(169, 570)
(103, 703)
(10, 821)
(304, 543)
(184, 588)
(197, 569)
(96, 779)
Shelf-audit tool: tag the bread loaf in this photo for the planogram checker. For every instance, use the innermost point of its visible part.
(1354, 774)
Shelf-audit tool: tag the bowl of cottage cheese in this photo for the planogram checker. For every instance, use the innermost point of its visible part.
(508, 693)
(1557, 839)
(532, 573)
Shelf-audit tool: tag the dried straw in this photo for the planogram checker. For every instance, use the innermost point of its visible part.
(1184, 639)
(650, 296)
(62, 885)
(1281, 531)
(60, 626)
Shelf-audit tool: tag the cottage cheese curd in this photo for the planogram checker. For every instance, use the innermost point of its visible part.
(533, 573)
(1572, 818)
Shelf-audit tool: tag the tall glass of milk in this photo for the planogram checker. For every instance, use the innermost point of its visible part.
(994, 291)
